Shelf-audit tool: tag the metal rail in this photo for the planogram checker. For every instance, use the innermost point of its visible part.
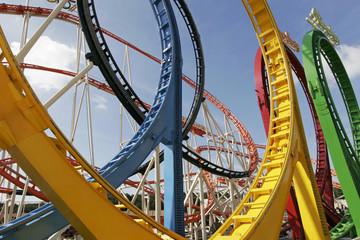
(17, 9)
(258, 216)
(344, 156)
(101, 55)
(32, 116)
(200, 65)
(323, 175)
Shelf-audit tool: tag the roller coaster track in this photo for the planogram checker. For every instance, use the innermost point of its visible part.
(343, 227)
(200, 65)
(323, 175)
(98, 47)
(101, 56)
(211, 167)
(315, 45)
(196, 160)
(258, 216)
(190, 155)
(285, 151)
(16, 9)
(262, 91)
(36, 11)
(19, 180)
(27, 110)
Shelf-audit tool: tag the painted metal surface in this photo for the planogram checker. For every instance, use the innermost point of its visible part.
(286, 157)
(344, 156)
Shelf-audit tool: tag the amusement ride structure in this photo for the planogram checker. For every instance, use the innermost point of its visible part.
(177, 175)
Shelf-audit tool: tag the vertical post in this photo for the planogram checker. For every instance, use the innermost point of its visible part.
(172, 134)
(157, 185)
(233, 207)
(173, 176)
(174, 195)
(202, 207)
(21, 204)
(26, 48)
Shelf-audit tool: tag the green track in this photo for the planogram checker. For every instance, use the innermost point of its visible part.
(345, 158)
(343, 227)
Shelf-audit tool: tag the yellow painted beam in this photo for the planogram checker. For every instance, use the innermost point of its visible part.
(92, 215)
(260, 214)
(22, 123)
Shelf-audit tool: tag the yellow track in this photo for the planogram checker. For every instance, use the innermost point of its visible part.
(23, 122)
(260, 214)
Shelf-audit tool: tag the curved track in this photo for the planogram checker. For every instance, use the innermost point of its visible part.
(101, 56)
(201, 163)
(80, 223)
(323, 175)
(254, 159)
(286, 149)
(190, 155)
(286, 156)
(99, 49)
(315, 45)
(26, 109)
(200, 65)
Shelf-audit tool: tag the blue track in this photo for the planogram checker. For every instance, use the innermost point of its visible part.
(152, 131)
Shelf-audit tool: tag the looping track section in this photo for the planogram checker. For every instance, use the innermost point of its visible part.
(323, 174)
(260, 214)
(345, 157)
(21, 136)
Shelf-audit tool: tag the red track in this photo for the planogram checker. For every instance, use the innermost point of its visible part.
(18, 179)
(36, 11)
(323, 175)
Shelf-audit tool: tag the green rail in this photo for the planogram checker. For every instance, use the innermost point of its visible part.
(345, 157)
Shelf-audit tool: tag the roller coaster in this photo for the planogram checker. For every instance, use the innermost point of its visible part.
(194, 178)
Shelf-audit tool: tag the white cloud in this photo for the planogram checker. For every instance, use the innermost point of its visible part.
(349, 56)
(100, 102)
(49, 53)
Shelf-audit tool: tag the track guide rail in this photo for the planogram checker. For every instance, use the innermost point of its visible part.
(323, 175)
(200, 65)
(21, 136)
(101, 56)
(315, 45)
(258, 216)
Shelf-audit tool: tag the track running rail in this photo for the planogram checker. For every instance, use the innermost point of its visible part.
(343, 227)
(323, 174)
(315, 45)
(252, 147)
(259, 215)
(20, 137)
(200, 65)
(87, 17)
(101, 56)
(19, 180)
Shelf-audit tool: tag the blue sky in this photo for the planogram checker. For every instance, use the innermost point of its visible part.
(229, 44)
